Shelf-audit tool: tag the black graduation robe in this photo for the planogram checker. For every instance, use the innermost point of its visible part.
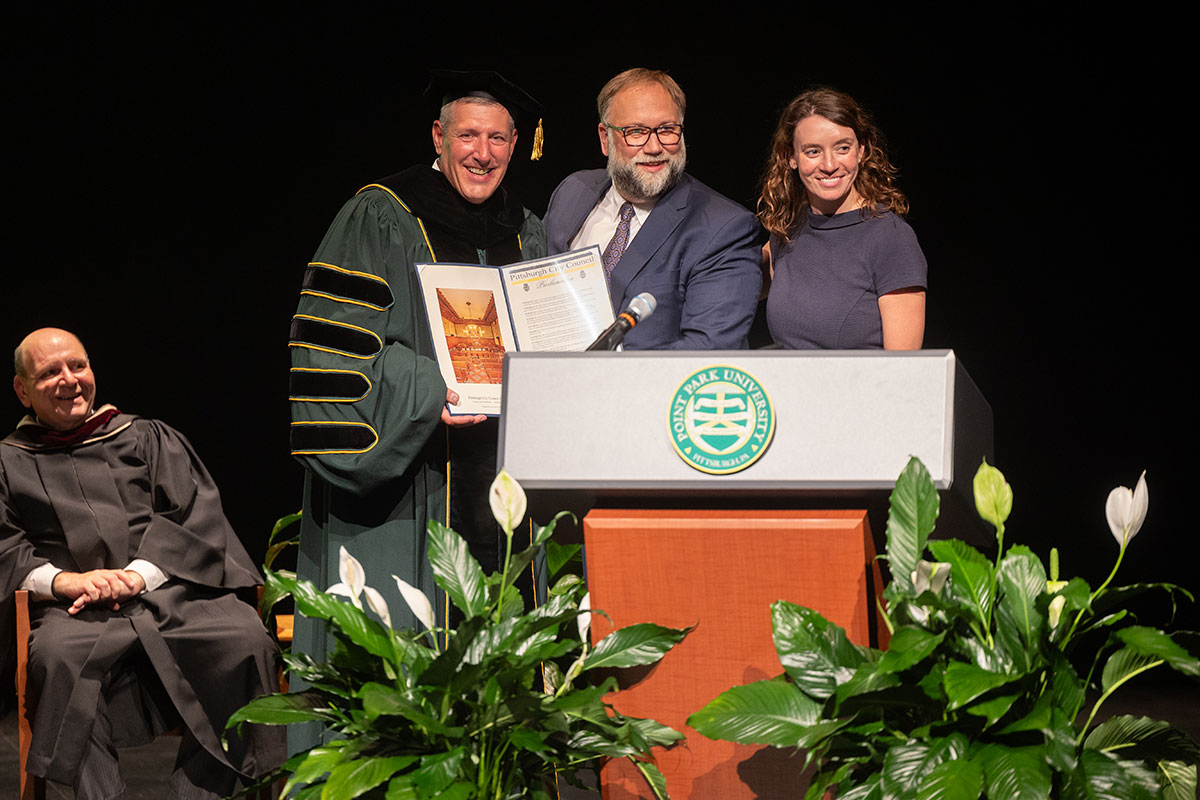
(133, 488)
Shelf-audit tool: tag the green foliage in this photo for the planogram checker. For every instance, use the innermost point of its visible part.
(276, 544)
(980, 693)
(492, 708)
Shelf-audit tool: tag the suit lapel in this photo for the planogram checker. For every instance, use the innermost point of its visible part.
(659, 227)
(582, 205)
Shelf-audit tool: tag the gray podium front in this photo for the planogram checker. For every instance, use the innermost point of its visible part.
(846, 422)
(720, 482)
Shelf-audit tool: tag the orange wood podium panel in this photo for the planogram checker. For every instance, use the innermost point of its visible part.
(720, 571)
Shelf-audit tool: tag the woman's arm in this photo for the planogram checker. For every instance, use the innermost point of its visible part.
(768, 270)
(903, 315)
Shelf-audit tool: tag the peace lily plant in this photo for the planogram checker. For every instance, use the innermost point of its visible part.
(491, 708)
(983, 691)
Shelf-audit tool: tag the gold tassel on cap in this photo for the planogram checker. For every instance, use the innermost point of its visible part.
(539, 137)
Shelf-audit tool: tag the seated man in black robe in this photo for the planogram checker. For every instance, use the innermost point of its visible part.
(116, 529)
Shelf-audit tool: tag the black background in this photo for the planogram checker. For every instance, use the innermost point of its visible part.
(170, 172)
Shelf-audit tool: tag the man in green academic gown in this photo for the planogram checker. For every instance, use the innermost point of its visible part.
(372, 420)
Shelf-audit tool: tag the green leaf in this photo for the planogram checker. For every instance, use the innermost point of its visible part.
(913, 512)
(764, 712)
(455, 570)
(1153, 642)
(635, 645)
(952, 780)
(282, 709)
(385, 701)
(970, 576)
(354, 778)
(965, 682)
(446, 666)
(654, 732)
(993, 708)
(529, 739)
(1060, 738)
(274, 548)
(1123, 665)
(909, 646)
(1021, 579)
(1178, 780)
(1098, 776)
(282, 523)
(654, 778)
(1036, 719)
(1014, 773)
(1143, 739)
(1066, 688)
(870, 789)
(543, 533)
(815, 653)
(865, 680)
(905, 766)
(460, 790)
(993, 495)
(438, 771)
(559, 556)
(518, 565)
(310, 766)
(272, 594)
(356, 625)
(1120, 596)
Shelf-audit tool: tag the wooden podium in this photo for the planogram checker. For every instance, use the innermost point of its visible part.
(670, 544)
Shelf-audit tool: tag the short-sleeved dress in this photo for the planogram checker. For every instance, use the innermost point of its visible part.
(829, 277)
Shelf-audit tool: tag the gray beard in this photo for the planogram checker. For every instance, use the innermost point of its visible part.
(633, 184)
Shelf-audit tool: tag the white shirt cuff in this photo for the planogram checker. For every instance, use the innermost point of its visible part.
(152, 575)
(40, 582)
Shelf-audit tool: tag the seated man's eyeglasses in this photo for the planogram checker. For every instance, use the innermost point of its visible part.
(638, 135)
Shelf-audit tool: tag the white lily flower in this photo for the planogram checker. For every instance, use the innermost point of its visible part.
(1057, 603)
(507, 500)
(418, 603)
(1056, 607)
(930, 576)
(345, 591)
(1126, 510)
(376, 603)
(353, 579)
(584, 620)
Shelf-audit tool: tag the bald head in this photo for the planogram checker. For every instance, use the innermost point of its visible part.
(54, 378)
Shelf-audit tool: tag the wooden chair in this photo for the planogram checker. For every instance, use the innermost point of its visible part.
(33, 787)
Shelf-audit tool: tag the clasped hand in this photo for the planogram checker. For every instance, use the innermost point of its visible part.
(97, 586)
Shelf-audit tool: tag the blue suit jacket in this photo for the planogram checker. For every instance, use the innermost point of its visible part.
(698, 253)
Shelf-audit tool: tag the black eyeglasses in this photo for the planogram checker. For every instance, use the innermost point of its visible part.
(638, 135)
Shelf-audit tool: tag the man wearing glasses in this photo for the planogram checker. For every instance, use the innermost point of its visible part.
(660, 230)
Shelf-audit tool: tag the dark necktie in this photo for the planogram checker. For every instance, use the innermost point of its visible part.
(620, 239)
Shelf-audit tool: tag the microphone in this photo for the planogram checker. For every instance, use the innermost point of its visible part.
(638, 309)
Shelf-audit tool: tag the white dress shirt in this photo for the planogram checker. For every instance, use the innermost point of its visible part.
(600, 225)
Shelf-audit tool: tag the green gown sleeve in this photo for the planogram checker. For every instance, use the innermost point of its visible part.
(366, 395)
(533, 237)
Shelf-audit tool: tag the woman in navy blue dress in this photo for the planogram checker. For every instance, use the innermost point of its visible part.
(846, 270)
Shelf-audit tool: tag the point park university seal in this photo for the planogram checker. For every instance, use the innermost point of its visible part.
(721, 420)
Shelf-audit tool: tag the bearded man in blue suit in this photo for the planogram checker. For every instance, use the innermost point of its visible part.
(660, 230)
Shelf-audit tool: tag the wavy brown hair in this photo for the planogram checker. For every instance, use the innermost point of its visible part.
(783, 203)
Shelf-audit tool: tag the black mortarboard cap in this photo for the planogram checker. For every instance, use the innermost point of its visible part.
(448, 85)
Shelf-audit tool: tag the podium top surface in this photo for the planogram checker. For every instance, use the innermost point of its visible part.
(838, 420)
